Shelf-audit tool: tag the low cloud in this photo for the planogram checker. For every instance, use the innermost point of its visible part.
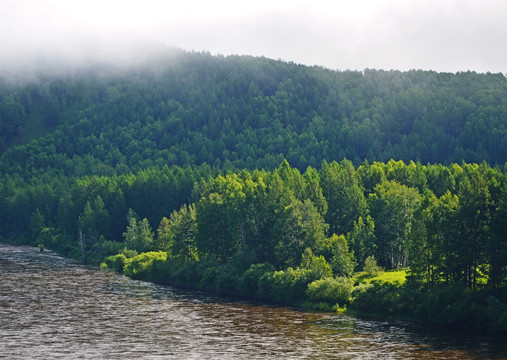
(390, 34)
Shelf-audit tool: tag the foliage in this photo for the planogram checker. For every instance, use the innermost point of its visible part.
(249, 281)
(116, 262)
(142, 266)
(370, 266)
(139, 236)
(331, 290)
(162, 145)
(243, 112)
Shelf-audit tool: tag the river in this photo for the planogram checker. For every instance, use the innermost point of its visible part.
(54, 308)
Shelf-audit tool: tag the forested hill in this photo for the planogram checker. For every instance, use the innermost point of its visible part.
(245, 112)
(252, 172)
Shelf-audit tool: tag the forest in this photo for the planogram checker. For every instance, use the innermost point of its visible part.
(269, 180)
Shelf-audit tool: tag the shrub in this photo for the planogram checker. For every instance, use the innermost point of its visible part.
(370, 266)
(330, 290)
(143, 265)
(376, 298)
(187, 273)
(248, 283)
(317, 264)
(289, 286)
(226, 279)
(129, 254)
(116, 262)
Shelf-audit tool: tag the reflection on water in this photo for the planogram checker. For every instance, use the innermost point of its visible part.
(51, 307)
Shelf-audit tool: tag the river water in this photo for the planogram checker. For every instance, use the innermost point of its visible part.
(54, 308)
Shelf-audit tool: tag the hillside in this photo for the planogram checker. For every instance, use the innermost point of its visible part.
(243, 112)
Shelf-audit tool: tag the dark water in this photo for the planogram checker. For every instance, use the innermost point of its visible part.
(53, 308)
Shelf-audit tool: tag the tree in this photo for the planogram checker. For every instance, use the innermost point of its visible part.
(342, 260)
(316, 264)
(313, 190)
(473, 223)
(428, 234)
(393, 206)
(497, 243)
(362, 239)
(94, 220)
(300, 226)
(219, 233)
(183, 229)
(163, 239)
(346, 201)
(370, 266)
(36, 224)
(138, 236)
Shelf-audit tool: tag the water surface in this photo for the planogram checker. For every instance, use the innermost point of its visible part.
(54, 308)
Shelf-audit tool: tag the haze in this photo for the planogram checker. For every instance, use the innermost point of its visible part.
(441, 35)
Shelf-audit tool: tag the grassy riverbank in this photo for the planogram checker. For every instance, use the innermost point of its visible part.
(386, 294)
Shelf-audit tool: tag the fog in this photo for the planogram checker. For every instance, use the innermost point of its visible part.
(444, 35)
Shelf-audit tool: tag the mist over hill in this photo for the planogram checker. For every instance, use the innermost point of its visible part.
(186, 108)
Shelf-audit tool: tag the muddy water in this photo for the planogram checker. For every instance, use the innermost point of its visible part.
(52, 308)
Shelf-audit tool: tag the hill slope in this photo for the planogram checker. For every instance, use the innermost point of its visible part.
(193, 108)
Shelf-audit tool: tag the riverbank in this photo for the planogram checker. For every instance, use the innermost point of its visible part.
(389, 295)
(119, 318)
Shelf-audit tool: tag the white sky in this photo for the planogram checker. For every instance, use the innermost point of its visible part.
(442, 35)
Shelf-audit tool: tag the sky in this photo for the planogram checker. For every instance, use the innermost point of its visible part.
(441, 35)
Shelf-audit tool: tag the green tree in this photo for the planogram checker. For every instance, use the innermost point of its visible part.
(362, 239)
(219, 232)
(316, 264)
(473, 224)
(426, 239)
(370, 266)
(36, 224)
(346, 201)
(393, 206)
(163, 240)
(138, 236)
(94, 220)
(341, 259)
(300, 226)
(497, 243)
(183, 229)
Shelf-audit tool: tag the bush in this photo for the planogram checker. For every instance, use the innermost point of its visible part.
(116, 262)
(370, 266)
(226, 279)
(129, 254)
(248, 283)
(376, 298)
(330, 290)
(285, 286)
(186, 273)
(143, 265)
(452, 305)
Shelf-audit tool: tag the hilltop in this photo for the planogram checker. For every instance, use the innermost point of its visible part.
(229, 112)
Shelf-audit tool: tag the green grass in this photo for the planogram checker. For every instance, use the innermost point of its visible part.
(391, 276)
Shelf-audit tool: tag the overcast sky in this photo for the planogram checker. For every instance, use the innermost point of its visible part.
(442, 35)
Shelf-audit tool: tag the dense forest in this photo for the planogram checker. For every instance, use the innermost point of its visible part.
(231, 174)
(243, 112)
